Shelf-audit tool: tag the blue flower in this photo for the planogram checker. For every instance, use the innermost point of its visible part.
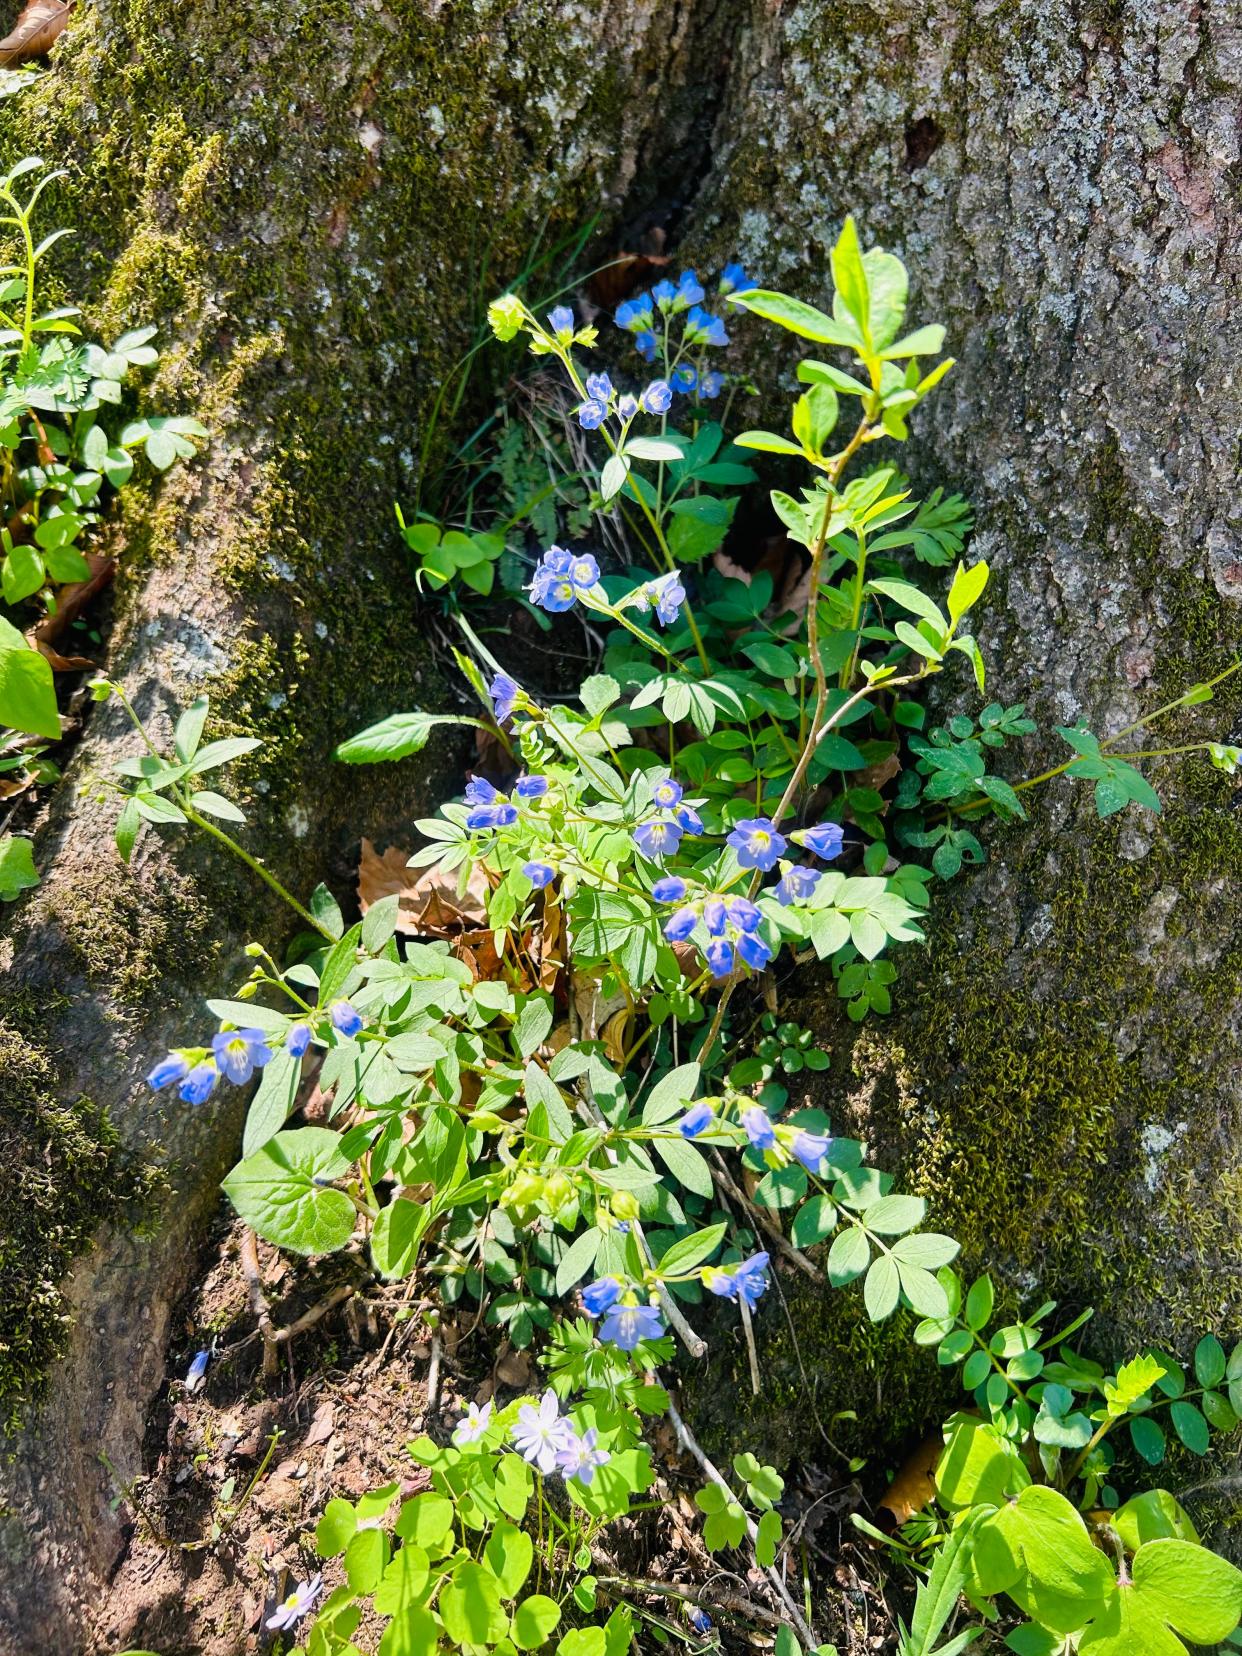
(626, 1325)
(702, 328)
(757, 843)
(599, 387)
(239, 1052)
(656, 399)
(718, 1282)
(667, 793)
(199, 1084)
(719, 956)
(689, 291)
(562, 320)
(627, 407)
(751, 1278)
(759, 1128)
(796, 885)
(699, 1620)
(668, 595)
(657, 838)
(664, 293)
(592, 414)
(345, 1017)
(678, 926)
(683, 379)
(688, 819)
(733, 279)
(825, 841)
(711, 384)
(531, 787)
(173, 1068)
(743, 913)
(560, 579)
(637, 313)
(601, 1296)
(753, 950)
(479, 791)
(810, 1148)
(670, 889)
(714, 916)
(500, 815)
(539, 874)
(696, 1120)
(298, 1040)
(197, 1371)
(645, 345)
(504, 693)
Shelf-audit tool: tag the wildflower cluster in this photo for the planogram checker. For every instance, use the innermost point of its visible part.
(236, 1054)
(671, 323)
(543, 1436)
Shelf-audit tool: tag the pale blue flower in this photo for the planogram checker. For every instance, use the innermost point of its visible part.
(646, 346)
(531, 787)
(796, 885)
(711, 384)
(696, 1120)
(239, 1052)
(599, 386)
(751, 1278)
(298, 1040)
(578, 1457)
(757, 843)
(810, 1148)
(679, 925)
(473, 1424)
(562, 320)
(636, 314)
(687, 818)
(753, 950)
(540, 1433)
(592, 414)
(627, 1325)
(657, 838)
(479, 791)
(199, 1083)
(656, 399)
(664, 294)
(670, 889)
(689, 290)
(719, 957)
(346, 1019)
(743, 913)
(601, 1295)
(297, 1604)
(504, 693)
(667, 793)
(627, 407)
(733, 279)
(759, 1128)
(683, 379)
(500, 815)
(714, 916)
(173, 1068)
(539, 874)
(825, 841)
(702, 328)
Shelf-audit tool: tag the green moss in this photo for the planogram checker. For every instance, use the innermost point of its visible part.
(64, 1175)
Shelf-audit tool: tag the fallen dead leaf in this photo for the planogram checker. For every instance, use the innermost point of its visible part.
(71, 600)
(915, 1485)
(321, 1426)
(430, 905)
(515, 1369)
(36, 31)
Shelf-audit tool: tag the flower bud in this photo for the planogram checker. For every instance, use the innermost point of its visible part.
(625, 1204)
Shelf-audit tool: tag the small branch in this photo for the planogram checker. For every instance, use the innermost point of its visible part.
(308, 1319)
(258, 1301)
(690, 1444)
(710, 1597)
(766, 1223)
(752, 1356)
(433, 1375)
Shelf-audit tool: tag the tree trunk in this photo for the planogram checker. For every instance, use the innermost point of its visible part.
(307, 198)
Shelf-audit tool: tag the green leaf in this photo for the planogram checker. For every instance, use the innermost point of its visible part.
(1148, 1439)
(579, 1258)
(533, 1024)
(967, 588)
(979, 1467)
(426, 1520)
(799, 318)
(281, 1192)
(1190, 1426)
(404, 1580)
(1151, 1516)
(415, 1632)
(27, 695)
(686, 1164)
(612, 478)
(849, 277)
(584, 1641)
(671, 1095)
(470, 1606)
(1037, 1549)
(21, 574)
(366, 1558)
(882, 1288)
(894, 1215)
(380, 922)
(215, 805)
(598, 693)
(534, 1621)
(399, 1228)
(690, 1251)
(979, 1303)
(219, 753)
(910, 598)
(394, 738)
(335, 1529)
(508, 1555)
(189, 731)
(1194, 1590)
(848, 1257)
(813, 1221)
(1209, 1361)
(127, 826)
(17, 869)
(928, 1249)
(654, 448)
(768, 1539)
(767, 442)
(273, 1100)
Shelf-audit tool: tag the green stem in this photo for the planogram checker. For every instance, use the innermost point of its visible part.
(254, 866)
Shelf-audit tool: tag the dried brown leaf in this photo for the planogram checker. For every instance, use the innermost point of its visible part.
(430, 904)
(36, 31)
(915, 1485)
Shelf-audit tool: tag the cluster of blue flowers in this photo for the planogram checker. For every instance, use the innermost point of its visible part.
(732, 922)
(602, 399)
(489, 808)
(637, 316)
(562, 578)
(235, 1055)
(777, 1143)
(626, 1320)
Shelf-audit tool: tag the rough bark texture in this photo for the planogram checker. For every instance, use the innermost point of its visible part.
(1061, 1077)
(306, 193)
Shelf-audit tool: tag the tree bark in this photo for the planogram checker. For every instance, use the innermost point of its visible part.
(306, 197)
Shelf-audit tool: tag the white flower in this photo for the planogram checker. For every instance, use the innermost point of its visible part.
(297, 1604)
(472, 1425)
(579, 1457)
(540, 1434)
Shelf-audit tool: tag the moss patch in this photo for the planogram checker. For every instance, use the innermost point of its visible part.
(64, 1174)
